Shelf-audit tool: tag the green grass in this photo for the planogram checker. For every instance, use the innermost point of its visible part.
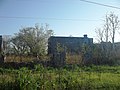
(67, 78)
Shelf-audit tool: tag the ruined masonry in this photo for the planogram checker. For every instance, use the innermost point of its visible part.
(71, 44)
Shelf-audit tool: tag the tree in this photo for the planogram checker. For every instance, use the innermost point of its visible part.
(100, 34)
(6, 44)
(110, 27)
(32, 40)
(106, 36)
(113, 26)
(18, 46)
(106, 29)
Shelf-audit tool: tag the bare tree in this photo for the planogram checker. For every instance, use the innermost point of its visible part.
(109, 29)
(99, 34)
(106, 34)
(106, 29)
(113, 26)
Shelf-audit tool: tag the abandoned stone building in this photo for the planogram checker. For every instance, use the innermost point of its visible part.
(1, 56)
(71, 44)
(0, 43)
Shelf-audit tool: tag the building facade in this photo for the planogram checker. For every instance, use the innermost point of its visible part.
(71, 44)
(0, 43)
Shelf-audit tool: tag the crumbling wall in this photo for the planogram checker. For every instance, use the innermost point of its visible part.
(58, 59)
(1, 53)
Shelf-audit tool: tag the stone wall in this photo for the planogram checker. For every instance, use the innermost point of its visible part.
(1, 54)
(72, 44)
(0, 43)
(58, 59)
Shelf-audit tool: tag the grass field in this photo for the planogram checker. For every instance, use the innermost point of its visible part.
(66, 78)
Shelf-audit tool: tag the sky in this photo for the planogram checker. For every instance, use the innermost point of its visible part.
(65, 17)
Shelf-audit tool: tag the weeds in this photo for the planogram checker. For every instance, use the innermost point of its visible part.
(48, 78)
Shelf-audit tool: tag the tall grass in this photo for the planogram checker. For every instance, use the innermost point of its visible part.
(66, 78)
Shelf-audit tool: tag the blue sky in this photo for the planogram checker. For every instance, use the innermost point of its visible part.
(89, 16)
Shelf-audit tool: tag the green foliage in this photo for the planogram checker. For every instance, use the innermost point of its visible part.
(31, 40)
(60, 48)
(68, 78)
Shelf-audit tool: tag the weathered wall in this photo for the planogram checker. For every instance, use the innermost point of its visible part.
(1, 55)
(72, 44)
(0, 43)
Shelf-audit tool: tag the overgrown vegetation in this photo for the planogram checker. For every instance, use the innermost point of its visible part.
(66, 78)
(29, 41)
(30, 45)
